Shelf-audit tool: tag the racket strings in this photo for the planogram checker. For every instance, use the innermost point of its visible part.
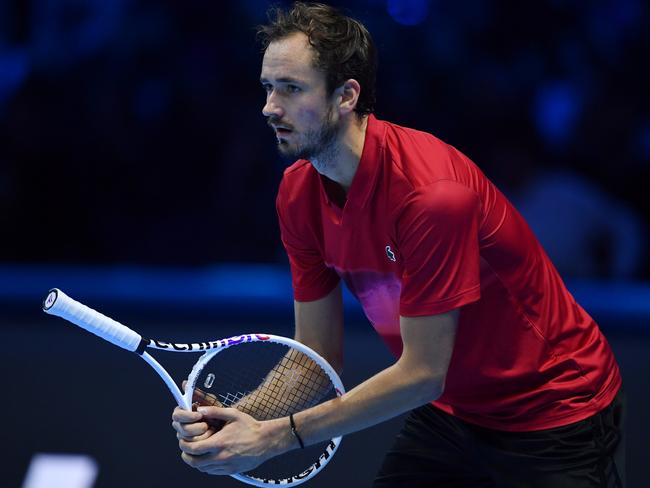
(294, 384)
(268, 381)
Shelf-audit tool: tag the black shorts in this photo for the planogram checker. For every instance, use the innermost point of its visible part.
(435, 449)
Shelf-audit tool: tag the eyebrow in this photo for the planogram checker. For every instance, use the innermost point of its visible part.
(286, 79)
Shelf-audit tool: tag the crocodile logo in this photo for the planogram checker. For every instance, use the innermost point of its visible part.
(390, 254)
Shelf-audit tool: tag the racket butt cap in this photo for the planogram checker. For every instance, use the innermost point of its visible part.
(50, 299)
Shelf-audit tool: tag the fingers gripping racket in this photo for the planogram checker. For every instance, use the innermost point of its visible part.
(263, 375)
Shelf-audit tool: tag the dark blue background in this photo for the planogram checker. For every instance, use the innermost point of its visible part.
(137, 174)
(131, 131)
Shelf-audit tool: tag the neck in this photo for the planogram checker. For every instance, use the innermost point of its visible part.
(341, 161)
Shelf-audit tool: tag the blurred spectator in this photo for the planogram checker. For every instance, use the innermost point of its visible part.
(585, 232)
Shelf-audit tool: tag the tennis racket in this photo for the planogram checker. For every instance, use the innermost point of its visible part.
(263, 375)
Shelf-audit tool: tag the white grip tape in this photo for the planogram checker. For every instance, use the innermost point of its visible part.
(59, 304)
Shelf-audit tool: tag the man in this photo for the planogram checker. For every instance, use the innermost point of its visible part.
(511, 382)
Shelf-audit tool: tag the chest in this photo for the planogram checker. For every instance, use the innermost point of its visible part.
(360, 239)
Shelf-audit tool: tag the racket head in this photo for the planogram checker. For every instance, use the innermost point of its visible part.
(227, 375)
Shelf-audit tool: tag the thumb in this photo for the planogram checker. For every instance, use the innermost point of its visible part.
(226, 414)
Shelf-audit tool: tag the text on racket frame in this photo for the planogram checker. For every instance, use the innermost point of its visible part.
(203, 346)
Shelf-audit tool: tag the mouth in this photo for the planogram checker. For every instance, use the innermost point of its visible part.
(282, 131)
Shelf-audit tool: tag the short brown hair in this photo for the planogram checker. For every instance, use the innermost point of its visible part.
(343, 46)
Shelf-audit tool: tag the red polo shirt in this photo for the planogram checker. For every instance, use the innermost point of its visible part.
(423, 232)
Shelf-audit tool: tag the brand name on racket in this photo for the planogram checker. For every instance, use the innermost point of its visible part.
(322, 460)
(204, 346)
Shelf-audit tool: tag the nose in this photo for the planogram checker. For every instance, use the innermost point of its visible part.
(271, 107)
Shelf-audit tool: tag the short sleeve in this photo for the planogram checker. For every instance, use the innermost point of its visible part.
(437, 233)
(310, 277)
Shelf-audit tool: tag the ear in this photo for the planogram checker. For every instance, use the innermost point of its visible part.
(349, 93)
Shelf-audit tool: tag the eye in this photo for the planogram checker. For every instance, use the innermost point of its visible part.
(293, 88)
(267, 87)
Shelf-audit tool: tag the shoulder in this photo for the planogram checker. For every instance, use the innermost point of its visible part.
(415, 142)
(422, 158)
(444, 201)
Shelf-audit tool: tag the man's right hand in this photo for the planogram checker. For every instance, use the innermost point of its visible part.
(190, 425)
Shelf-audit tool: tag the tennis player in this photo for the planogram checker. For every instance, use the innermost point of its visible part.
(510, 383)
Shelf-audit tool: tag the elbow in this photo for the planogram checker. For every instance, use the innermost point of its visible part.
(338, 366)
(429, 387)
(335, 362)
(426, 382)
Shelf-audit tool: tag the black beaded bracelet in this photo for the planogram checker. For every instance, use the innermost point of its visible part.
(295, 432)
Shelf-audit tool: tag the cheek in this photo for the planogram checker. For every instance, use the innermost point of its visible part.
(309, 115)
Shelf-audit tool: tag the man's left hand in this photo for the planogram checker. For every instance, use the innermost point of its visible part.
(241, 445)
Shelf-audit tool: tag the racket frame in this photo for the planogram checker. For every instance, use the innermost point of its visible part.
(59, 304)
(333, 444)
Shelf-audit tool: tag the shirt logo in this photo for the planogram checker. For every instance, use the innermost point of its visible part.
(390, 254)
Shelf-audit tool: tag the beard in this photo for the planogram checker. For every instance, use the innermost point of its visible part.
(315, 145)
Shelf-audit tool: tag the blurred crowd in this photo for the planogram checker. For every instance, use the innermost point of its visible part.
(131, 130)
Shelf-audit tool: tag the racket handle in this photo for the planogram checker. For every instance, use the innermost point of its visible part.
(58, 303)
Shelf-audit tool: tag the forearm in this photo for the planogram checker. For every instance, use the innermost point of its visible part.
(415, 379)
(389, 393)
(295, 383)
(319, 325)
